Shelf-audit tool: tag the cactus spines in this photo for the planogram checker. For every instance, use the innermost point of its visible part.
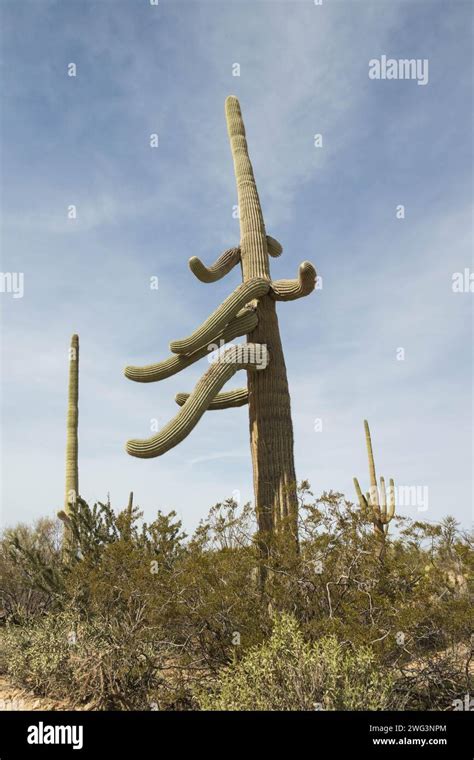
(248, 356)
(226, 400)
(245, 321)
(267, 394)
(72, 469)
(289, 290)
(221, 317)
(376, 502)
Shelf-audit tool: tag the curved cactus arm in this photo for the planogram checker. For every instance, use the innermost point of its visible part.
(362, 499)
(226, 400)
(289, 290)
(242, 324)
(227, 261)
(248, 356)
(222, 266)
(274, 248)
(242, 295)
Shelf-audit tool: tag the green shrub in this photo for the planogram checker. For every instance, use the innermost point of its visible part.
(288, 673)
(99, 663)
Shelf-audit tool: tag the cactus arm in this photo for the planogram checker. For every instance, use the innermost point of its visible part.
(64, 517)
(289, 290)
(222, 266)
(274, 248)
(242, 324)
(374, 494)
(232, 359)
(383, 500)
(362, 500)
(216, 322)
(391, 500)
(226, 400)
(227, 261)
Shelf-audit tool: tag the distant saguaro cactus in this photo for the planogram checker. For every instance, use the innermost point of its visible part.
(375, 502)
(72, 468)
(250, 310)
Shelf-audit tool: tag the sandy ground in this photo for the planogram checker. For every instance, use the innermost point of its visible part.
(13, 698)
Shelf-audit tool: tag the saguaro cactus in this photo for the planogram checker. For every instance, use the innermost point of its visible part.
(72, 468)
(250, 310)
(375, 501)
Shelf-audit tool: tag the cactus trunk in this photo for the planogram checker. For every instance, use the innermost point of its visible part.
(271, 430)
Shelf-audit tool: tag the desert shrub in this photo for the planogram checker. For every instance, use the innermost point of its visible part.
(29, 570)
(99, 663)
(158, 616)
(288, 673)
(434, 682)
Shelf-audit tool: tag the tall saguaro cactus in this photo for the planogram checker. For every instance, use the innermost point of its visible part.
(250, 310)
(375, 502)
(72, 468)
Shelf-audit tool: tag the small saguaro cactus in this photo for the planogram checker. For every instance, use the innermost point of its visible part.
(380, 508)
(251, 311)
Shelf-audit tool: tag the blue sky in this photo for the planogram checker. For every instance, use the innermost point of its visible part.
(142, 212)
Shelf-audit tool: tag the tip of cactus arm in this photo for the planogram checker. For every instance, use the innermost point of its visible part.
(63, 516)
(133, 448)
(142, 449)
(136, 374)
(307, 266)
(275, 248)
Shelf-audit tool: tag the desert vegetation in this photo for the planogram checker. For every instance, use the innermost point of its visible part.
(134, 615)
